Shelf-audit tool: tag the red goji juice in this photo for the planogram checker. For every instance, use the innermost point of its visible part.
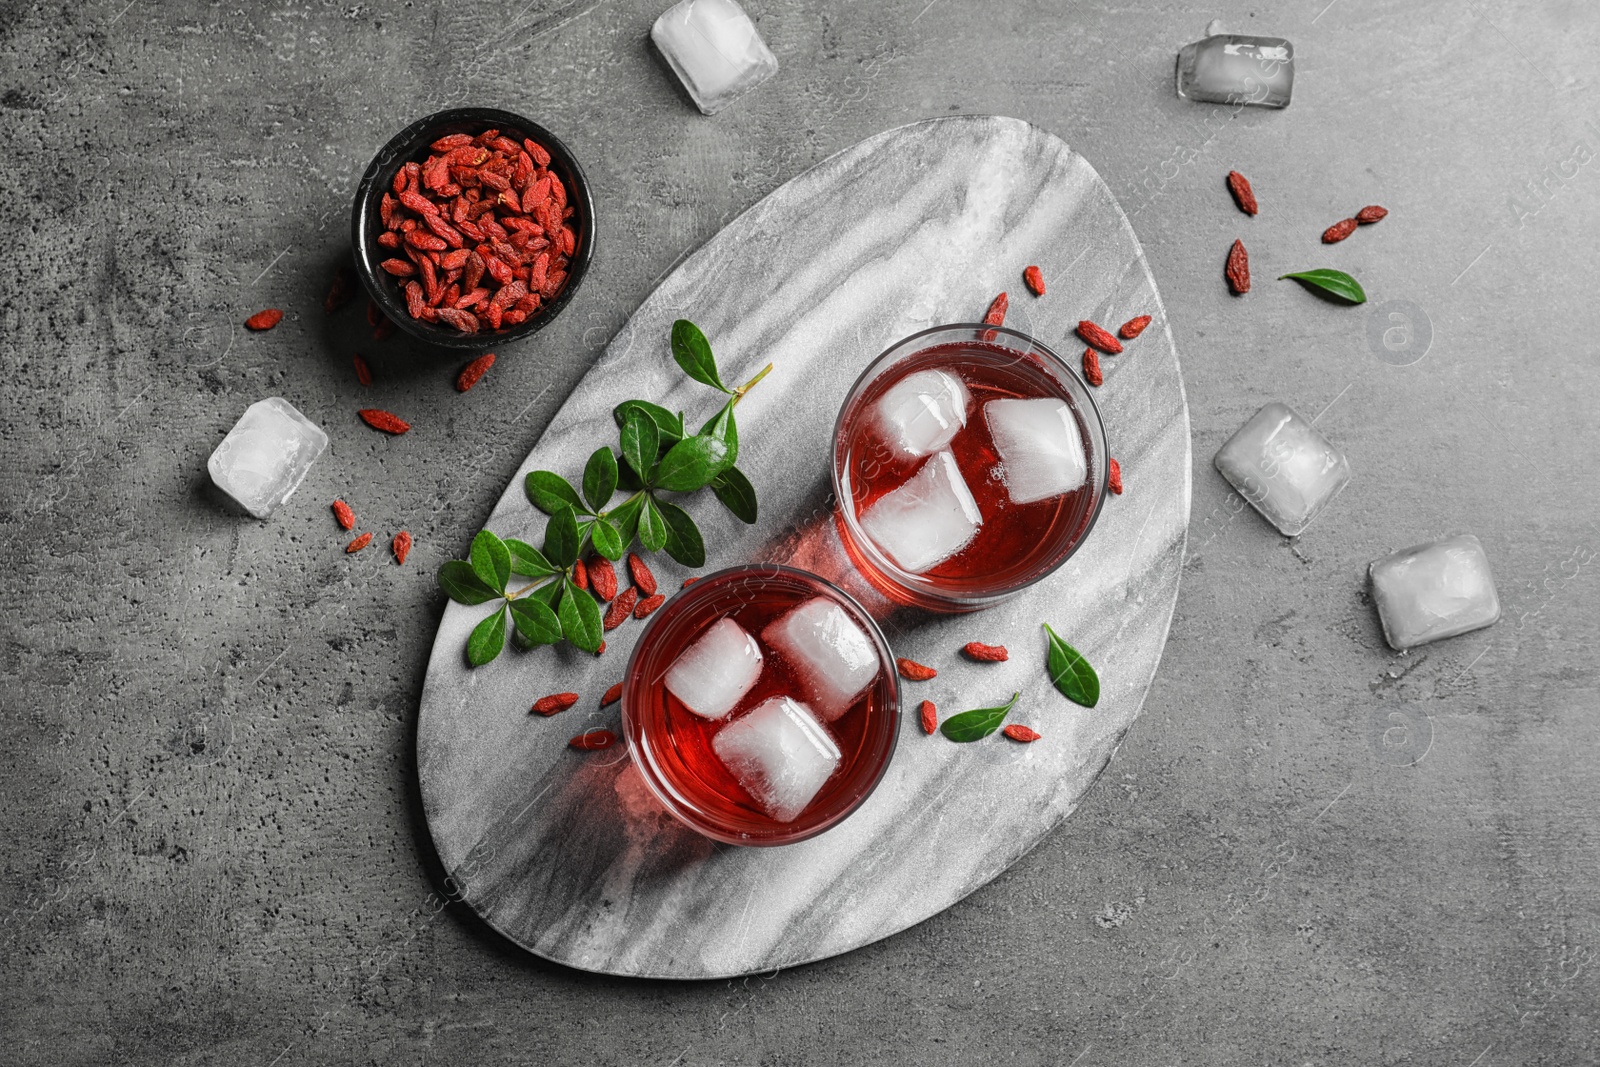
(673, 746)
(1016, 543)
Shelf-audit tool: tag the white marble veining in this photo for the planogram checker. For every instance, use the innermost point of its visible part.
(567, 853)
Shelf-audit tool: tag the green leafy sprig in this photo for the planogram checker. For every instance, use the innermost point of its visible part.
(657, 457)
(1334, 282)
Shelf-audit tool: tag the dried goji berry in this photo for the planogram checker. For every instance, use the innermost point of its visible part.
(593, 740)
(264, 320)
(913, 671)
(1034, 278)
(986, 653)
(401, 546)
(473, 371)
(1133, 327)
(580, 575)
(400, 268)
(340, 290)
(1238, 269)
(642, 577)
(1091, 368)
(1097, 335)
(1339, 231)
(621, 608)
(1018, 732)
(649, 604)
(601, 649)
(602, 577)
(555, 702)
(358, 544)
(386, 421)
(1114, 477)
(687, 582)
(345, 516)
(996, 315)
(1243, 195)
(930, 717)
(1370, 214)
(611, 695)
(363, 372)
(465, 321)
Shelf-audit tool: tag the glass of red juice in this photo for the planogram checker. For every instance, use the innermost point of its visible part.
(969, 462)
(760, 705)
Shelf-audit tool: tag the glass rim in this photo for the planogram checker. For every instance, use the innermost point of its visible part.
(919, 585)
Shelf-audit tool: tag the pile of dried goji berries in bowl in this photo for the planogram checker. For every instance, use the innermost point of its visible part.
(473, 227)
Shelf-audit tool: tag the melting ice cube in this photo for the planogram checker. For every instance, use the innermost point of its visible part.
(780, 754)
(266, 455)
(1284, 467)
(714, 49)
(835, 658)
(1039, 444)
(712, 675)
(923, 411)
(928, 519)
(1432, 591)
(1229, 68)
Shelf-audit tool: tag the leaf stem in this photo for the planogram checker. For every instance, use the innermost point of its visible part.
(531, 586)
(738, 394)
(610, 511)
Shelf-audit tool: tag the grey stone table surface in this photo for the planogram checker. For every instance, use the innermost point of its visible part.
(1309, 849)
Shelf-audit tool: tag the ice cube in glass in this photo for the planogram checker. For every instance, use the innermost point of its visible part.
(713, 674)
(1231, 68)
(926, 520)
(833, 657)
(923, 411)
(1285, 468)
(714, 49)
(266, 455)
(780, 754)
(1432, 591)
(1040, 446)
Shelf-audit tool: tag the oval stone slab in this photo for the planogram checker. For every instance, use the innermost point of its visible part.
(566, 853)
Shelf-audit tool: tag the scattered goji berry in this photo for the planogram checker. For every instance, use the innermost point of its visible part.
(473, 371)
(386, 421)
(1238, 269)
(611, 695)
(384, 330)
(340, 290)
(593, 740)
(1133, 327)
(996, 315)
(602, 577)
(1243, 195)
(345, 516)
(1370, 214)
(986, 653)
(401, 546)
(1114, 477)
(1339, 231)
(363, 372)
(264, 320)
(358, 544)
(601, 649)
(1097, 335)
(1018, 732)
(555, 702)
(930, 717)
(1091, 368)
(687, 582)
(648, 605)
(913, 671)
(580, 574)
(642, 577)
(621, 608)
(1033, 277)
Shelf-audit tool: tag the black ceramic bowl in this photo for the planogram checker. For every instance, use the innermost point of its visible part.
(412, 144)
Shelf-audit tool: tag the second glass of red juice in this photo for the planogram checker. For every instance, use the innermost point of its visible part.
(969, 462)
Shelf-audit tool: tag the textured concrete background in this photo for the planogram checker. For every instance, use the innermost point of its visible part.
(1310, 850)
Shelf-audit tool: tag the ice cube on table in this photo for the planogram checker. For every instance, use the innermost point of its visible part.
(926, 520)
(712, 675)
(1428, 592)
(921, 412)
(1283, 467)
(834, 657)
(780, 754)
(714, 49)
(1040, 446)
(1231, 68)
(266, 455)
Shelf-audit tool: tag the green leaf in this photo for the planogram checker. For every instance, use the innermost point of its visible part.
(600, 478)
(491, 560)
(1336, 282)
(691, 464)
(640, 443)
(979, 723)
(525, 559)
(488, 638)
(1070, 672)
(607, 540)
(550, 492)
(736, 493)
(561, 538)
(723, 428)
(536, 623)
(652, 525)
(580, 618)
(669, 426)
(462, 584)
(625, 517)
(684, 543)
(548, 594)
(693, 353)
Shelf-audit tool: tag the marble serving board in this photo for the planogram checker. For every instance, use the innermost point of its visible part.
(566, 853)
